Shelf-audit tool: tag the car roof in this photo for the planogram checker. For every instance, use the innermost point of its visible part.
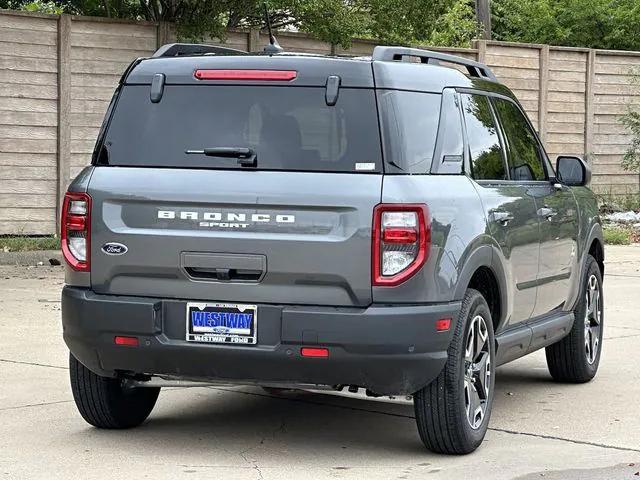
(385, 69)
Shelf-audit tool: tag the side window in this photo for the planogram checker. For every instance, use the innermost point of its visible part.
(523, 152)
(486, 152)
(409, 123)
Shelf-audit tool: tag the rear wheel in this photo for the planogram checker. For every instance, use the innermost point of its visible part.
(452, 412)
(576, 357)
(105, 403)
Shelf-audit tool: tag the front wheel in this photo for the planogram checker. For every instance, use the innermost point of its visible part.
(576, 357)
(105, 402)
(452, 412)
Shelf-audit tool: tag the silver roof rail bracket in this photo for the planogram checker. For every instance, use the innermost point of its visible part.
(396, 54)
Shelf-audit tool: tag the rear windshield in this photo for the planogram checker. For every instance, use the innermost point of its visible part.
(288, 128)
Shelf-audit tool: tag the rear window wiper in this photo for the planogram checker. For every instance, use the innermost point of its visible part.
(246, 156)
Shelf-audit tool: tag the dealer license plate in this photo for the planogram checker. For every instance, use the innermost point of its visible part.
(222, 323)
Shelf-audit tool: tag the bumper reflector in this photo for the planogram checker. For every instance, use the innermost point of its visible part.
(443, 324)
(127, 341)
(314, 352)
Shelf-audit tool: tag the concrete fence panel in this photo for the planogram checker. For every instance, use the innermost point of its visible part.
(58, 73)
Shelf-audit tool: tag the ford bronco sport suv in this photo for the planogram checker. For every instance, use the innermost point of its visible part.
(389, 224)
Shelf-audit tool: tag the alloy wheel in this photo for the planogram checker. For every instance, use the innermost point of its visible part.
(477, 372)
(592, 320)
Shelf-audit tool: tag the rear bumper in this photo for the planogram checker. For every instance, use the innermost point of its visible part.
(387, 349)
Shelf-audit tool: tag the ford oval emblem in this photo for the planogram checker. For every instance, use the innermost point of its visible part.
(113, 248)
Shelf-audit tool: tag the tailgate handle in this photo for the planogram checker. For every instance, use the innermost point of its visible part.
(223, 267)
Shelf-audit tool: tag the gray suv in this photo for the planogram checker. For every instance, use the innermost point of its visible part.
(389, 224)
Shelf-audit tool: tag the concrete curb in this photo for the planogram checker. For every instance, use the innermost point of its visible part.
(30, 258)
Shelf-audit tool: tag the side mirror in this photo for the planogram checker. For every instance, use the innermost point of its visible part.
(523, 173)
(573, 171)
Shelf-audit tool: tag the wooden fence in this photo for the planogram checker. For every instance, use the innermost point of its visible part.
(57, 74)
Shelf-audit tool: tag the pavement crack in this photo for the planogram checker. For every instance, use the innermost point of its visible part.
(33, 364)
(399, 415)
(622, 275)
(563, 439)
(623, 336)
(34, 405)
(257, 469)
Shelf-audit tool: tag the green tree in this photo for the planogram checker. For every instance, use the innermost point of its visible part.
(611, 24)
(426, 22)
(631, 159)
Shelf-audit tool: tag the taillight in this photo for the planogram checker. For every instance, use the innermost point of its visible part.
(401, 241)
(246, 75)
(75, 230)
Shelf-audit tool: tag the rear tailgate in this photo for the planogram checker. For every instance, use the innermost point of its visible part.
(293, 228)
(298, 238)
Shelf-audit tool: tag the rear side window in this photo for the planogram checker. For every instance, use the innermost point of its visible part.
(523, 151)
(409, 122)
(487, 162)
(288, 128)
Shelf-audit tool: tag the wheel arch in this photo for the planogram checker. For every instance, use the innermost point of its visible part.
(596, 250)
(483, 272)
(594, 246)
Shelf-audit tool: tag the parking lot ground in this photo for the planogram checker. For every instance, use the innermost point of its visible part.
(539, 429)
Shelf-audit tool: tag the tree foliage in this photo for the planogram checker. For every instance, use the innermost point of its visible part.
(609, 24)
(427, 22)
(612, 24)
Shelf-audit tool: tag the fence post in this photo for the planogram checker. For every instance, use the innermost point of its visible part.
(164, 34)
(253, 40)
(481, 46)
(64, 109)
(589, 103)
(543, 93)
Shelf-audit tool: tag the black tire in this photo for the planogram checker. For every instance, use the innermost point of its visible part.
(104, 403)
(569, 360)
(441, 412)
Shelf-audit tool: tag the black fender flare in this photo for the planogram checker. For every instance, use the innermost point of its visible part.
(484, 256)
(594, 234)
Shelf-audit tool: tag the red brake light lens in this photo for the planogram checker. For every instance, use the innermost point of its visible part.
(246, 75)
(399, 235)
(401, 241)
(75, 230)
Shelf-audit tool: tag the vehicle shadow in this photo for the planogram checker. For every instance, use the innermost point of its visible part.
(253, 424)
(248, 421)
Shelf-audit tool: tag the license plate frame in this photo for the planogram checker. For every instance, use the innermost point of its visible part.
(213, 326)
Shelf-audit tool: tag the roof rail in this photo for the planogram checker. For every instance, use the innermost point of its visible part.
(187, 49)
(391, 54)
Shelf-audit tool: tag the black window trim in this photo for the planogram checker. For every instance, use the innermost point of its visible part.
(436, 166)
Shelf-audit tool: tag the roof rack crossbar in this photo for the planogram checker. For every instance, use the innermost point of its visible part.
(394, 54)
(186, 49)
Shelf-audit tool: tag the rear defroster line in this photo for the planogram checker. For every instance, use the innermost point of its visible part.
(400, 415)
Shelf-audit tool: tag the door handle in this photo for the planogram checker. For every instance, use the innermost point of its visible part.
(501, 217)
(547, 212)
